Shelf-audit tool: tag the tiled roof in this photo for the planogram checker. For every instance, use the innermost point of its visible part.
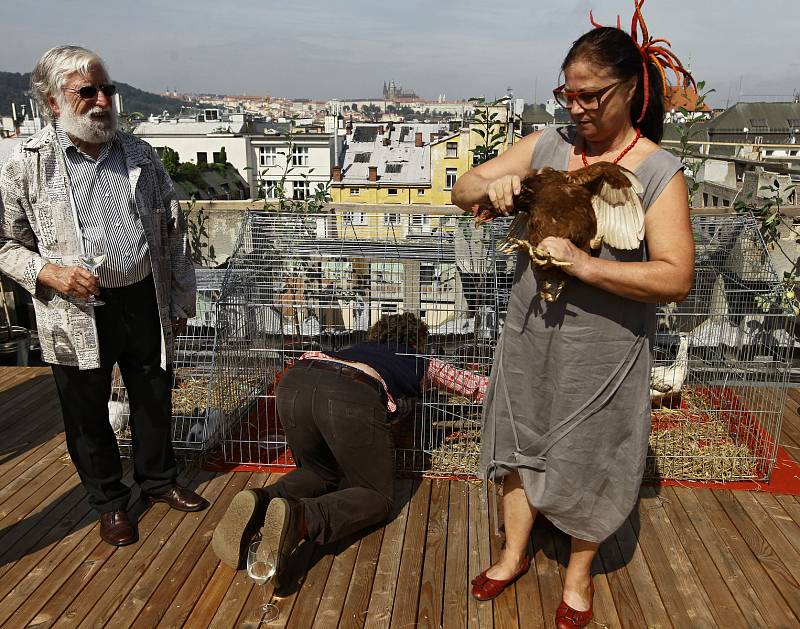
(758, 117)
(401, 162)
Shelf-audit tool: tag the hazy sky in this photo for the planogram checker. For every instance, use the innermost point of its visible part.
(347, 48)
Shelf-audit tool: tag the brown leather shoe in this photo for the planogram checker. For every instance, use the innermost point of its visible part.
(116, 529)
(182, 499)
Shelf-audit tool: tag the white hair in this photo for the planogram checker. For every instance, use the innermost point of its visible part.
(54, 67)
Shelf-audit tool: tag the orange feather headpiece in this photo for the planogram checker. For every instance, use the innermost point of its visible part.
(655, 51)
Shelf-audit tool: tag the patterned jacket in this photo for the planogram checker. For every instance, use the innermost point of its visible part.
(38, 225)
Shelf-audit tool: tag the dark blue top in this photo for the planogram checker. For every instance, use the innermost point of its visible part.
(399, 366)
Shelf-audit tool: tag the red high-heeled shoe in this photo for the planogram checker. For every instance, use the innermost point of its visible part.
(485, 588)
(568, 618)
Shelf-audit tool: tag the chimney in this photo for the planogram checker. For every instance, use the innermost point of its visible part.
(373, 173)
(336, 173)
(418, 139)
(381, 130)
(433, 137)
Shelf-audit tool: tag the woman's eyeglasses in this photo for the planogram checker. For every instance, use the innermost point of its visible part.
(88, 92)
(587, 100)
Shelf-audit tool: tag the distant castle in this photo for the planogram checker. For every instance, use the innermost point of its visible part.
(394, 92)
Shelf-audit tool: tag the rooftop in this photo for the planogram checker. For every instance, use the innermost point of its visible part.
(686, 558)
(392, 149)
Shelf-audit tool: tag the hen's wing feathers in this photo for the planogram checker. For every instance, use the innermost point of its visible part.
(615, 199)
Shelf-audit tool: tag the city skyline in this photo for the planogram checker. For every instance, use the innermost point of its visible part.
(347, 50)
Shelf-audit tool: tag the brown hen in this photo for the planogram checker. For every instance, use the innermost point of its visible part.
(589, 206)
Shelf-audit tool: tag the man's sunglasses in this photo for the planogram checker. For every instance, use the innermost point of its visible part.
(88, 92)
(587, 100)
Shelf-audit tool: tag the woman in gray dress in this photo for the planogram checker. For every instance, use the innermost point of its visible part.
(567, 413)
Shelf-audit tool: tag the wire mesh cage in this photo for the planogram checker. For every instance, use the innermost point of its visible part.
(300, 283)
(197, 411)
(722, 361)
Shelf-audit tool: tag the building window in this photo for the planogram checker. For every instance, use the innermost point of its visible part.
(267, 155)
(427, 274)
(218, 157)
(391, 218)
(726, 203)
(759, 139)
(450, 176)
(299, 156)
(392, 192)
(715, 200)
(300, 190)
(420, 221)
(354, 192)
(202, 158)
(388, 309)
(705, 199)
(452, 149)
(420, 192)
(271, 188)
(354, 218)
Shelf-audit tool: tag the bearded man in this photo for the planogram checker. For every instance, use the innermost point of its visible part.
(81, 186)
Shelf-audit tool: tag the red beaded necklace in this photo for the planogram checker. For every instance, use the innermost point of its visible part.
(619, 157)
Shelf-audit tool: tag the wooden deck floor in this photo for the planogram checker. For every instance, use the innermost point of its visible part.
(703, 559)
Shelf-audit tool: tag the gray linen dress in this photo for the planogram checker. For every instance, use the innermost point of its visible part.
(568, 402)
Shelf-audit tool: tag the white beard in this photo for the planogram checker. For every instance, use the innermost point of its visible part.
(89, 127)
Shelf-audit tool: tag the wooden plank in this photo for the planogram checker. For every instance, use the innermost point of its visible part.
(310, 594)
(721, 554)
(22, 458)
(504, 607)
(42, 564)
(72, 512)
(331, 603)
(94, 568)
(644, 585)
(407, 593)
(456, 578)
(32, 491)
(431, 592)
(211, 599)
(623, 592)
(529, 600)
(36, 511)
(194, 566)
(770, 603)
(381, 600)
(547, 573)
(172, 545)
(229, 608)
(28, 466)
(479, 614)
(782, 577)
(782, 533)
(723, 604)
(354, 612)
(671, 577)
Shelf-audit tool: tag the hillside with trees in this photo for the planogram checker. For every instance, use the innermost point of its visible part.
(15, 88)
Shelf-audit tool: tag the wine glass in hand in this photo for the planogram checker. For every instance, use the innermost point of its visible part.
(261, 566)
(93, 260)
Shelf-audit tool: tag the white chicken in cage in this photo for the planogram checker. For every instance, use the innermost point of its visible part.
(207, 429)
(666, 380)
(118, 413)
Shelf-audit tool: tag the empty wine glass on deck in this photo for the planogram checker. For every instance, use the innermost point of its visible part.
(93, 260)
(261, 566)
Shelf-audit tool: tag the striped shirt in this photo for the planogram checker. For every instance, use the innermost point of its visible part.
(107, 216)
